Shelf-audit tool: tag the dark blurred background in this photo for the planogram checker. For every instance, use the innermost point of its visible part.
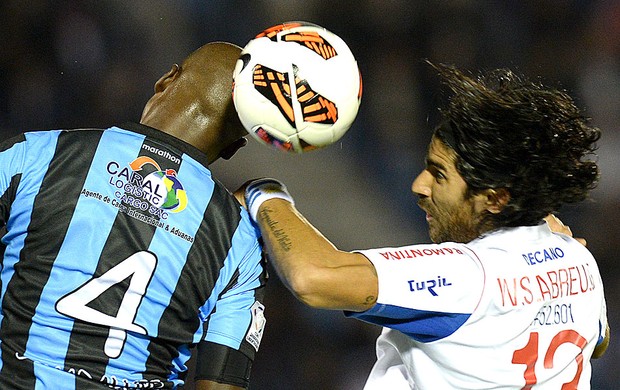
(66, 64)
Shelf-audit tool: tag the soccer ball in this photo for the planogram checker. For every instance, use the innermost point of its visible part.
(297, 87)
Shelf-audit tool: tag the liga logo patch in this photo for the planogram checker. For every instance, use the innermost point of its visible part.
(255, 333)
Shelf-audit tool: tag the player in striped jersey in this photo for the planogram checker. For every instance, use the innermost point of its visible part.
(500, 300)
(121, 252)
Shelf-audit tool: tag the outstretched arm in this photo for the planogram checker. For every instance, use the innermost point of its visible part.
(316, 272)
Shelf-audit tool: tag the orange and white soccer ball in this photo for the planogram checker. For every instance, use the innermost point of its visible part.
(297, 87)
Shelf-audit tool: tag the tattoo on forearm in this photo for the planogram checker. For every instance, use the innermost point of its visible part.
(282, 238)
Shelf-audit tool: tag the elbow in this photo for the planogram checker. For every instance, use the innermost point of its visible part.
(306, 287)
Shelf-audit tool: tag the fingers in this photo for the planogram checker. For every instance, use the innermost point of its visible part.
(582, 241)
(240, 195)
(556, 225)
(240, 192)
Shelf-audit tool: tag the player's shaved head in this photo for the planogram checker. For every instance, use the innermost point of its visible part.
(207, 75)
(193, 101)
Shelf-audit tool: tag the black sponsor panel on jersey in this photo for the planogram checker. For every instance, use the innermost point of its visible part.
(52, 211)
(199, 275)
(131, 234)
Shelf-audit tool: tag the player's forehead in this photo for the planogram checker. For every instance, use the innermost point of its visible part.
(440, 155)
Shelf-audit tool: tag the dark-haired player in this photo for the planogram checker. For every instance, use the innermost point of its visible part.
(499, 300)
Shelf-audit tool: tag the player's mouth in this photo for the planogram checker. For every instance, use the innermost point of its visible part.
(429, 217)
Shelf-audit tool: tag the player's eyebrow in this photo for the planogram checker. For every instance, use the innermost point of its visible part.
(436, 164)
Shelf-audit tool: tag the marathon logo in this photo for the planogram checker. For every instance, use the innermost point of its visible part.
(162, 153)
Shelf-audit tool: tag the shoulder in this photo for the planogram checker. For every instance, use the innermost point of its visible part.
(416, 267)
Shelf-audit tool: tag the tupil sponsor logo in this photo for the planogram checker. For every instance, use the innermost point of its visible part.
(429, 285)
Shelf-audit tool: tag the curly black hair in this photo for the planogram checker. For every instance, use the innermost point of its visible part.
(509, 132)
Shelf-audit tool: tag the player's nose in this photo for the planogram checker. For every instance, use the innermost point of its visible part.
(421, 186)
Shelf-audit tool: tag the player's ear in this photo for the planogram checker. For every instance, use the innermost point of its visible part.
(496, 199)
(167, 78)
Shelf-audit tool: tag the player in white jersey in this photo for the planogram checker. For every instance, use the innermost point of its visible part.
(487, 310)
(500, 300)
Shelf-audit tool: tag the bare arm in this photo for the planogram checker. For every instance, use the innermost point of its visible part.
(315, 271)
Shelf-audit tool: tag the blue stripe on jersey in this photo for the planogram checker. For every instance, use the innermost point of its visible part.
(52, 378)
(199, 192)
(42, 146)
(12, 163)
(421, 325)
(77, 260)
(228, 327)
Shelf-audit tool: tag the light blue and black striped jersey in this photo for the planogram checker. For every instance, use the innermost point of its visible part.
(120, 252)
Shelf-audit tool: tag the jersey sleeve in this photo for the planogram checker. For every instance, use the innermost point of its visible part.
(18, 154)
(425, 291)
(238, 319)
(235, 328)
(12, 152)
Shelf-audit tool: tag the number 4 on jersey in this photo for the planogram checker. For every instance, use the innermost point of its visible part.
(140, 266)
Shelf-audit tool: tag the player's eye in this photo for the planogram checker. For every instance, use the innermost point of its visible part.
(437, 174)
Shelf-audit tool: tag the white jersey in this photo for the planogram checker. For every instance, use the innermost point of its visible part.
(518, 308)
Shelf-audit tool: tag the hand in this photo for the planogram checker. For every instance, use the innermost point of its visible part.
(557, 226)
(260, 190)
(263, 189)
(240, 193)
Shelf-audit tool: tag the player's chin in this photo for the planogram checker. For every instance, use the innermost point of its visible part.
(434, 233)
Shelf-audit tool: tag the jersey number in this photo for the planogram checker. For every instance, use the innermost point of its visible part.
(140, 266)
(528, 355)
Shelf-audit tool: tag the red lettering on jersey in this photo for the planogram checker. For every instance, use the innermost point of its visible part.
(553, 284)
(402, 254)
